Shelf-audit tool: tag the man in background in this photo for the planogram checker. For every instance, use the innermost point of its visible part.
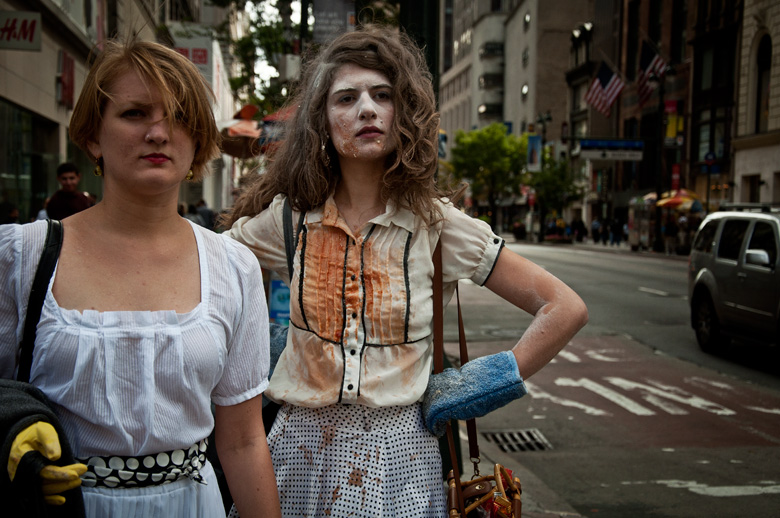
(68, 200)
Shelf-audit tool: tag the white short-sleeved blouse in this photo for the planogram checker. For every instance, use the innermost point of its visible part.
(140, 382)
(361, 304)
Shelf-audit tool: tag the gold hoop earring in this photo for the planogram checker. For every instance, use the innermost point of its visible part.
(190, 175)
(98, 171)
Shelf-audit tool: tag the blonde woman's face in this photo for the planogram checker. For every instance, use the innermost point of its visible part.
(360, 113)
(138, 144)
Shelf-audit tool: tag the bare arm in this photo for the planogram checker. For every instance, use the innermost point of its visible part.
(246, 461)
(558, 311)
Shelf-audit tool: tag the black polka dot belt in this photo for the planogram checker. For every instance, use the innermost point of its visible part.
(116, 471)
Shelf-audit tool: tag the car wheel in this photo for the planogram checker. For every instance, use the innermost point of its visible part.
(706, 325)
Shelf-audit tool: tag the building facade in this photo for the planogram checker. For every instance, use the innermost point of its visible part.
(45, 46)
(756, 142)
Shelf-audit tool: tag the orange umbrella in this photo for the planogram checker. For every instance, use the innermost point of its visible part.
(241, 134)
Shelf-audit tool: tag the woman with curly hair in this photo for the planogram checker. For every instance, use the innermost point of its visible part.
(358, 167)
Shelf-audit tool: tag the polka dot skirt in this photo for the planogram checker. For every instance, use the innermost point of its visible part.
(352, 460)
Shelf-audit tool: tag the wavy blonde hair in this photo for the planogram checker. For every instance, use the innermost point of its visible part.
(300, 169)
(187, 98)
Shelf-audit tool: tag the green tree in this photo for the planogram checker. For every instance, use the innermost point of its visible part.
(555, 188)
(491, 161)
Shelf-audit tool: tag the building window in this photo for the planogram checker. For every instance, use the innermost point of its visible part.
(632, 40)
(654, 21)
(491, 81)
(711, 133)
(706, 70)
(750, 188)
(763, 70)
(490, 109)
(526, 56)
(576, 98)
(679, 34)
(491, 49)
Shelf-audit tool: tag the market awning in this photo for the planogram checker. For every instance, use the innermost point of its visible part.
(241, 134)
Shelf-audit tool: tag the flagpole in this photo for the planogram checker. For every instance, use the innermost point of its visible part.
(652, 44)
(611, 65)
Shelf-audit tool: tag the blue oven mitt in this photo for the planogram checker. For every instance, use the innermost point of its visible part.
(278, 334)
(474, 390)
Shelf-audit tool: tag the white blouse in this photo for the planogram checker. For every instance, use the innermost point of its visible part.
(361, 304)
(140, 382)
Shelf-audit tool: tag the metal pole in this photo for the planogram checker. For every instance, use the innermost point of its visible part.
(658, 242)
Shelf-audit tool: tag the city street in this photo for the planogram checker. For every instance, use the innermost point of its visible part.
(631, 419)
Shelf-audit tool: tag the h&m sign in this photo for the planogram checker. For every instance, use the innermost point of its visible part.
(20, 30)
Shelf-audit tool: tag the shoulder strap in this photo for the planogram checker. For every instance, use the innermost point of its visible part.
(49, 255)
(290, 235)
(438, 365)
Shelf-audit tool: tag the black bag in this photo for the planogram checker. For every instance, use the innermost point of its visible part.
(22, 404)
(278, 332)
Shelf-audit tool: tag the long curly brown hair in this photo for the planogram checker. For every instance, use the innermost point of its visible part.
(304, 172)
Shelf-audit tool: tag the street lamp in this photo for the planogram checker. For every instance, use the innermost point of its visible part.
(543, 119)
(658, 242)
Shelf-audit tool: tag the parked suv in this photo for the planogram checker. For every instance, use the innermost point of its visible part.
(733, 278)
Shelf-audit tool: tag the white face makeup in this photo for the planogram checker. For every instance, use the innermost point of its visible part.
(360, 113)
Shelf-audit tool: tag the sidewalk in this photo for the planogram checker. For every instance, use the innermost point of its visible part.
(539, 500)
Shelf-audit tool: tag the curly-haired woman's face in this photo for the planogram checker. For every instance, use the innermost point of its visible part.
(360, 113)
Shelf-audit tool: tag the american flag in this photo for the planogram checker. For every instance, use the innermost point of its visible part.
(604, 89)
(649, 63)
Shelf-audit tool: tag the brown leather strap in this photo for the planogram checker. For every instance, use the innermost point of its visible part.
(438, 366)
(471, 424)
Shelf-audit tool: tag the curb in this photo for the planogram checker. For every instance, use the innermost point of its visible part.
(539, 501)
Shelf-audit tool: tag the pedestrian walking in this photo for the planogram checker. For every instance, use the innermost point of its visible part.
(359, 164)
(595, 230)
(670, 235)
(68, 200)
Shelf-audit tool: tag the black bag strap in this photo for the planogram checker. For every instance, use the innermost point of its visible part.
(49, 255)
(290, 235)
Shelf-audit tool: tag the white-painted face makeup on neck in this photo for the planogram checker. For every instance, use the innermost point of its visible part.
(360, 113)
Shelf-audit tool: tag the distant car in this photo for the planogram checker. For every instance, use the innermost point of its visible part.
(733, 278)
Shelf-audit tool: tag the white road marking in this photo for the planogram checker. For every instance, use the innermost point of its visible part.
(775, 411)
(600, 356)
(654, 292)
(607, 393)
(720, 491)
(537, 393)
(678, 396)
(564, 354)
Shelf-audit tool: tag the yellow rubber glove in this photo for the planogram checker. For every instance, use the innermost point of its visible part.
(42, 437)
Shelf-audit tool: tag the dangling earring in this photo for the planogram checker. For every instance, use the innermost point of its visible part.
(98, 171)
(190, 175)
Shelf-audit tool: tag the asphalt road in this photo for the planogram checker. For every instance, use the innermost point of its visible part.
(631, 419)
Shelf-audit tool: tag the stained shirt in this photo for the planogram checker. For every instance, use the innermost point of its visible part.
(361, 304)
(140, 382)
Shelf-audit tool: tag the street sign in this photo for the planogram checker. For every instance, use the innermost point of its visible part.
(709, 158)
(611, 149)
